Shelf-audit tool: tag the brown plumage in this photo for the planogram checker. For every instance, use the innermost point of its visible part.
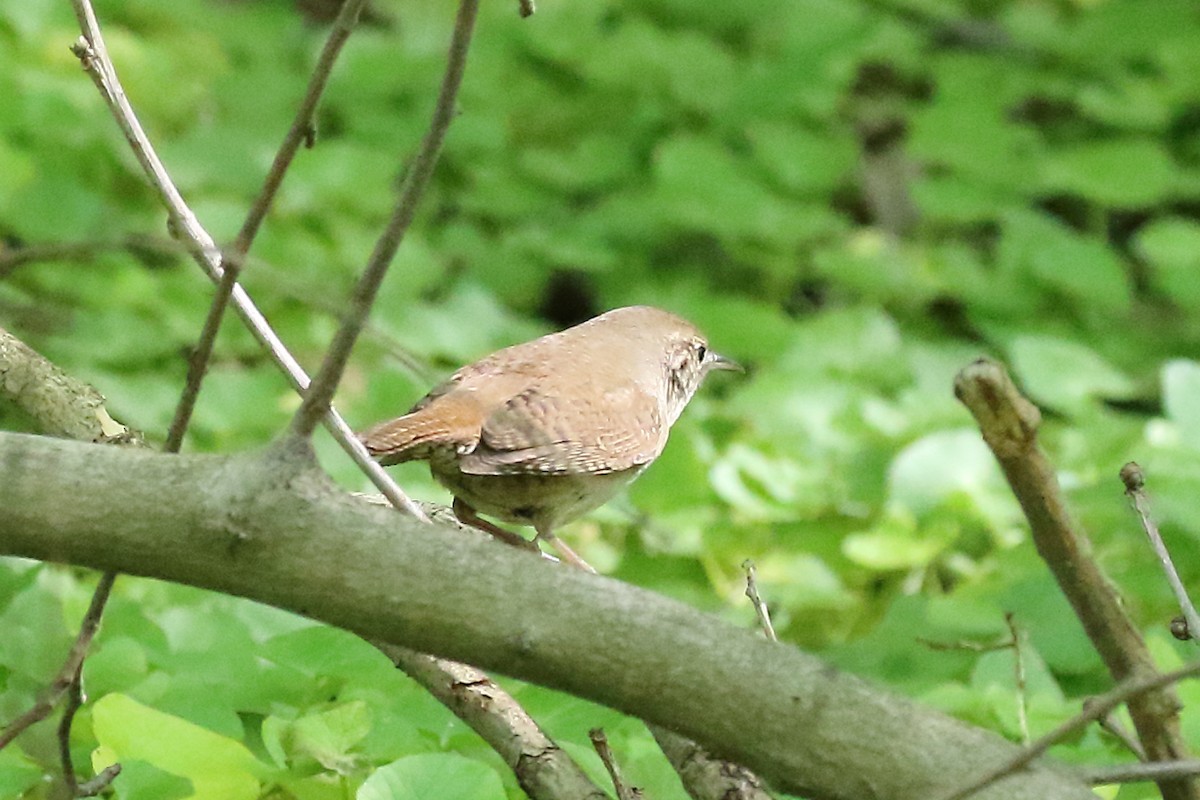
(542, 432)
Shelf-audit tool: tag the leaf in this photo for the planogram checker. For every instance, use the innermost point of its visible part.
(329, 736)
(218, 767)
(1064, 374)
(1083, 268)
(17, 773)
(896, 544)
(933, 469)
(445, 776)
(724, 197)
(1171, 245)
(1181, 399)
(1122, 173)
(804, 161)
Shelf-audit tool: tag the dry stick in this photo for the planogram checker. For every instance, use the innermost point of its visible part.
(600, 742)
(1094, 710)
(1019, 677)
(297, 134)
(99, 783)
(1140, 773)
(705, 777)
(83, 641)
(1111, 725)
(61, 405)
(63, 681)
(94, 56)
(320, 393)
(12, 259)
(1135, 487)
(764, 616)
(543, 770)
(1009, 425)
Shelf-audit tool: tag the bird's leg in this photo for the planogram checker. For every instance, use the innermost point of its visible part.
(568, 555)
(467, 516)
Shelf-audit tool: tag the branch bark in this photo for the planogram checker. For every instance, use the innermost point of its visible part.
(270, 527)
(61, 405)
(542, 768)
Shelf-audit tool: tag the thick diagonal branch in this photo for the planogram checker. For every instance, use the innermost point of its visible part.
(256, 525)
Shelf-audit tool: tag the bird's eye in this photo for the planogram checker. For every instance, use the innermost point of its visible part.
(701, 352)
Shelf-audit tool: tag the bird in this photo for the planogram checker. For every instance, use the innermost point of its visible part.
(543, 432)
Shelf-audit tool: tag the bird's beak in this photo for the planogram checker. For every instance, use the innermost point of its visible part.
(717, 361)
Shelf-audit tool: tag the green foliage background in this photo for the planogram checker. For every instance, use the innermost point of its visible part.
(853, 197)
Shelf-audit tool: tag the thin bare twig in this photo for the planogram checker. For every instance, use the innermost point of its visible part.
(1092, 711)
(1135, 488)
(79, 651)
(1109, 723)
(68, 673)
(624, 790)
(760, 608)
(320, 393)
(94, 57)
(12, 258)
(1019, 677)
(1140, 773)
(299, 133)
(100, 782)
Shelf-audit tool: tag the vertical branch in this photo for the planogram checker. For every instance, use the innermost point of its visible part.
(1009, 424)
(320, 393)
(74, 668)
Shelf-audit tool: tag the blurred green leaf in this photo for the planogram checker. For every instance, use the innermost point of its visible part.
(17, 773)
(1181, 399)
(1120, 173)
(1172, 247)
(329, 736)
(443, 775)
(1083, 268)
(895, 544)
(1065, 375)
(218, 768)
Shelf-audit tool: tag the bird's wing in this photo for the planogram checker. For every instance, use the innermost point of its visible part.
(540, 433)
(454, 422)
(451, 415)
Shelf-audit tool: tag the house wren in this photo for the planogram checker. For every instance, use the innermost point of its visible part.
(542, 432)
